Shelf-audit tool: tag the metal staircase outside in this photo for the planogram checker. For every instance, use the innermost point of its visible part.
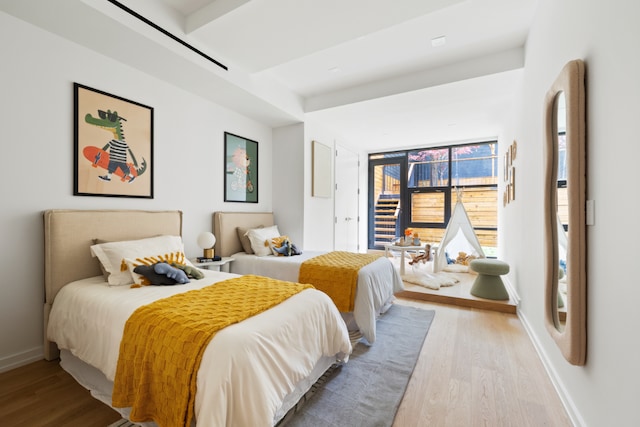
(385, 219)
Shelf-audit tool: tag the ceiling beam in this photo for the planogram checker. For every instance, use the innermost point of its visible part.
(211, 12)
(496, 62)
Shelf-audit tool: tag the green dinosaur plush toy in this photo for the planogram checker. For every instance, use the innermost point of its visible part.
(192, 272)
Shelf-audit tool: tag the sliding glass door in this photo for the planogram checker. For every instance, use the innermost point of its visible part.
(387, 181)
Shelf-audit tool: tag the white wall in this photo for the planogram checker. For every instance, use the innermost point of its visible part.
(36, 118)
(288, 182)
(508, 215)
(309, 220)
(605, 35)
(318, 211)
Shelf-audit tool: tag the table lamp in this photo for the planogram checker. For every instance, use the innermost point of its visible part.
(206, 240)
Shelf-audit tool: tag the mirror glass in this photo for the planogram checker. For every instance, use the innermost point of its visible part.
(564, 212)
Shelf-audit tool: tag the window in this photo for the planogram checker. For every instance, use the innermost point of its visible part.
(425, 199)
(474, 165)
(428, 168)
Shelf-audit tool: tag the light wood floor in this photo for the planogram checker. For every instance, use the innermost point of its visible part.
(476, 368)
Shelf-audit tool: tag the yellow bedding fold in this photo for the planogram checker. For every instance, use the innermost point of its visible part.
(336, 274)
(163, 343)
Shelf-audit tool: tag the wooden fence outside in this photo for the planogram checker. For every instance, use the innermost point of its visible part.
(481, 204)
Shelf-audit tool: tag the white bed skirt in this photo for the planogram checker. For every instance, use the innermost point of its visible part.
(100, 387)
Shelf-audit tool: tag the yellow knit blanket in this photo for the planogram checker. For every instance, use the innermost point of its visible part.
(164, 341)
(336, 274)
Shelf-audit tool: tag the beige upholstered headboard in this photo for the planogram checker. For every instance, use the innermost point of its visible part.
(225, 224)
(68, 234)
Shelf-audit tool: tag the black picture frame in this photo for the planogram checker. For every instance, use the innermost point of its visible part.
(101, 121)
(240, 169)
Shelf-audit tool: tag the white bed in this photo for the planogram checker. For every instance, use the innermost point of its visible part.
(377, 282)
(250, 361)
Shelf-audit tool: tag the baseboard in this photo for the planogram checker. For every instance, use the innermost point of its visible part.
(21, 359)
(565, 398)
(511, 290)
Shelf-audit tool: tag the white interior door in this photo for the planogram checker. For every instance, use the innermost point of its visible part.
(346, 200)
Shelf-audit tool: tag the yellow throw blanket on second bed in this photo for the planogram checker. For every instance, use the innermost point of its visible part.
(336, 274)
(163, 344)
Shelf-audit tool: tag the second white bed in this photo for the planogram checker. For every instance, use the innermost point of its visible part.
(377, 284)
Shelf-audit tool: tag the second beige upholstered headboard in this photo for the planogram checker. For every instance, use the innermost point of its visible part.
(225, 226)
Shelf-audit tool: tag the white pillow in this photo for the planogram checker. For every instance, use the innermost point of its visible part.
(113, 255)
(260, 239)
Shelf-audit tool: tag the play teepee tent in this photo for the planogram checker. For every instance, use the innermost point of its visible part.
(459, 235)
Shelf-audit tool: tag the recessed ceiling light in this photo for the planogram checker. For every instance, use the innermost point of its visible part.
(438, 41)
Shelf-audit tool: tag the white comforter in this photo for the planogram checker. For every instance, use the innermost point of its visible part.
(377, 283)
(246, 370)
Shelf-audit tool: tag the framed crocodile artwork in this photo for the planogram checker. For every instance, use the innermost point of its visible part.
(106, 163)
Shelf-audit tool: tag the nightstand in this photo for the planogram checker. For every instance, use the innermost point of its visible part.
(222, 265)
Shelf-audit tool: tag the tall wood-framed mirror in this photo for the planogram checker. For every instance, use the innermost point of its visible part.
(565, 212)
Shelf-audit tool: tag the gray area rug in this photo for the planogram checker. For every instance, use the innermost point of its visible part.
(367, 391)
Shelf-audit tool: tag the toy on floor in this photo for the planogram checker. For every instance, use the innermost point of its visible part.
(464, 259)
(424, 257)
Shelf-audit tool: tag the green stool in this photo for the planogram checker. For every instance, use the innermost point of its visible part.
(488, 284)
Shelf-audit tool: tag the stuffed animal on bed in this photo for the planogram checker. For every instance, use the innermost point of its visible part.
(282, 246)
(192, 272)
(171, 272)
(161, 274)
(152, 277)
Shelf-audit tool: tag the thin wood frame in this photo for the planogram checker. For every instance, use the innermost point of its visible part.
(571, 337)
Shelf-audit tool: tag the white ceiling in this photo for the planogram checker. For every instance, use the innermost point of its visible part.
(365, 68)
